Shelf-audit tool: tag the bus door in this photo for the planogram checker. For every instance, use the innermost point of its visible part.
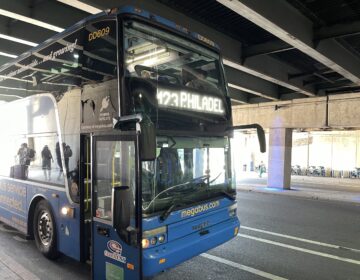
(85, 196)
(116, 225)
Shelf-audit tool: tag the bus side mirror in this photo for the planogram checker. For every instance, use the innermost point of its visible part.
(261, 138)
(260, 134)
(123, 207)
(147, 141)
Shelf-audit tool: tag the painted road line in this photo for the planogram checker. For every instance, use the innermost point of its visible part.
(300, 249)
(243, 267)
(302, 239)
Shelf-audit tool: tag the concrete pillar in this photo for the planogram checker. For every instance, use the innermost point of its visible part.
(279, 165)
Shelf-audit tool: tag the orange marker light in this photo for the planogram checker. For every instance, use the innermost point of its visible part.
(236, 231)
(130, 266)
(161, 261)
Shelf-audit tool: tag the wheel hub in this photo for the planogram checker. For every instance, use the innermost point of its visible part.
(45, 228)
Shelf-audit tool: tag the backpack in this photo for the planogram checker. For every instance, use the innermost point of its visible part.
(67, 152)
(46, 154)
(31, 153)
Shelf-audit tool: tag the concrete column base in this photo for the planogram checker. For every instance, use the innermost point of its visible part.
(279, 164)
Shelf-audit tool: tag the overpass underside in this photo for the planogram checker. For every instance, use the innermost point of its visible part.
(333, 112)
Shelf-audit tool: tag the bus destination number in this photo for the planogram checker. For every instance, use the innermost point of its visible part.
(99, 33)
(190, 101)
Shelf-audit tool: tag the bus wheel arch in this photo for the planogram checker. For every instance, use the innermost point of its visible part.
(31, 211)
(43, 228)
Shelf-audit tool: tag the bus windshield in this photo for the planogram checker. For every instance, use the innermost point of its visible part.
(168, 72)
(187, 170)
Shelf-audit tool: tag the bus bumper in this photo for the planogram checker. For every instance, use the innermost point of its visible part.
(172, 253)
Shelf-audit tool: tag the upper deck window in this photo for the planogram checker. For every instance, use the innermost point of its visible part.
(181, 74)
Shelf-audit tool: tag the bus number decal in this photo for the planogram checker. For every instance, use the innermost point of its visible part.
(99, 33)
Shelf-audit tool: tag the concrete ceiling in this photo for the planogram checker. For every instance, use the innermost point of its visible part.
(273, 50)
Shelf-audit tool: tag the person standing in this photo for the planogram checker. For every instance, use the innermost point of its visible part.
(261, 169)
(46, 162)
(58, 159)
(67, 155)
(25, 155)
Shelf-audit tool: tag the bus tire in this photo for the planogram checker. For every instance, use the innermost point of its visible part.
(44, 228)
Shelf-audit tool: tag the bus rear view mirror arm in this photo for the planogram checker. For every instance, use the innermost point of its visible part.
(147, 133)
(259, 130)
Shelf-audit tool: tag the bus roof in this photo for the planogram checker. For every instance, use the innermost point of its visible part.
(168, 23)
(113, 12)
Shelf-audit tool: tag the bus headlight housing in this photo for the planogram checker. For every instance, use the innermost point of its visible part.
(161, 238)
(67, 212)
(232, 210)
(154, 236)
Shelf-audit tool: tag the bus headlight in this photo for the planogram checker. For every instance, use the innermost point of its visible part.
(232, 210)
(161, 238)
(145, 243)
(67, 211)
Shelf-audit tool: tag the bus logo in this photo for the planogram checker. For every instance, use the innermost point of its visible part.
(114, 247)
(114, 251)
(199, 209)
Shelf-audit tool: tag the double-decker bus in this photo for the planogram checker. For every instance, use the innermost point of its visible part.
(115, 147)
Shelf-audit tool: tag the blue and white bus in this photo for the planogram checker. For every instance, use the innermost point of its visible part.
(115, 147)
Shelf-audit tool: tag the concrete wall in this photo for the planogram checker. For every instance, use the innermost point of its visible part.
(311, 113)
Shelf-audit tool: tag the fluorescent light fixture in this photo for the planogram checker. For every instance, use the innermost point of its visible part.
(146, 55)
(18, 40)
(8, 55)
(30, 20)
(81, 6)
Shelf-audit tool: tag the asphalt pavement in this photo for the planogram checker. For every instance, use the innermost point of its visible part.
(281, 237)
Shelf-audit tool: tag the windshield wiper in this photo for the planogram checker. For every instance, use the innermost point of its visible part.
(187, 185)
(175, 203)
(228, 195)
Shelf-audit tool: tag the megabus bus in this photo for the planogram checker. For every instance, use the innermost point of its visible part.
(115, 147)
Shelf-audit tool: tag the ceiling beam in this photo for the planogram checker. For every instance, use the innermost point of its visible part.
(273, 70)
(274, 46)
(288, 24)
(238, 95)
(251, 84)
(30, 20)
(338, 30)
(231, 48)
(12, 47)
(51, 15)
(325, 32)
(25, 31)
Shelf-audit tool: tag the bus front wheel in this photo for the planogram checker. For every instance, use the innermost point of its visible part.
(44, 229)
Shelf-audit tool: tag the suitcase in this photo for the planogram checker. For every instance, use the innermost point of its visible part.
(18, 172)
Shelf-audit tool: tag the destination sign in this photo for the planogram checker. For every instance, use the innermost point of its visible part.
(190, 101)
